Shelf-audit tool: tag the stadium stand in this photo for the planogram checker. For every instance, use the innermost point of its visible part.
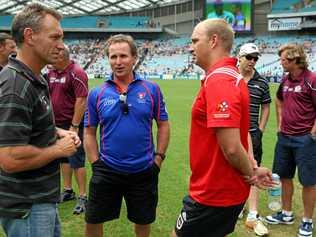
(162, 55)
(290, 6)
(170, 58)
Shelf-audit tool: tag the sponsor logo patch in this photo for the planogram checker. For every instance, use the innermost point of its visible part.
(222, 111)
(298, 89)
(141, 97)
(222, 107)
(57, 80)
(109, 101)
(181, 219)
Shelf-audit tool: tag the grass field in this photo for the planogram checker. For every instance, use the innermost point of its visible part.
(173, 181)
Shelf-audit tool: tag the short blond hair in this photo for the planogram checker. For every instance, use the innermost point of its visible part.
(221, 28)
(121, 38)
(295, 52)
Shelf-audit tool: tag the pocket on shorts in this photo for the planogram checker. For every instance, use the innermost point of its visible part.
(155, 168)
(311, 137)
(95, 162)
(96, 165)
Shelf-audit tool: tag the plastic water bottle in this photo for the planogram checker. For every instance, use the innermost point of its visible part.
(275, 194)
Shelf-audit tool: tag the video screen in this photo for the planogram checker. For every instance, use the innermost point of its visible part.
(238, 13)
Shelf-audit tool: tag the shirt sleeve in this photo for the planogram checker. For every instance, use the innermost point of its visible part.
(15, 121)
(80, 83)
(91, 117)
(313, 89)
(279, 93)
(223, 103)
(266, 98)
(160, 109)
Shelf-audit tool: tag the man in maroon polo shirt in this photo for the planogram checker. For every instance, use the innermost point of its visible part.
(68, 85)
(296, 144)
(7, 47)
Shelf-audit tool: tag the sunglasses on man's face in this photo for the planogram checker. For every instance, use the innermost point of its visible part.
(124, 105)
(250, 57)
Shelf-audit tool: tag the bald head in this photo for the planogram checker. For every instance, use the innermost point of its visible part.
(222, 29)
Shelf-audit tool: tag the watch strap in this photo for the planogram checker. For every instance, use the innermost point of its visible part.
(162, 155)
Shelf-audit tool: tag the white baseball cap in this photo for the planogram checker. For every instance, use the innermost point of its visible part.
(249, 48)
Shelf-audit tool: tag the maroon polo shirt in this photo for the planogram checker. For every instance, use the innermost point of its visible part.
(64, 87)
(299, 103)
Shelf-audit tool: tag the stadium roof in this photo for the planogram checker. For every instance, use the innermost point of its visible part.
(83, 7)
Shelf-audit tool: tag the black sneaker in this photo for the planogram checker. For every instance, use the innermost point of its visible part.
(81, 205)
(67, 195)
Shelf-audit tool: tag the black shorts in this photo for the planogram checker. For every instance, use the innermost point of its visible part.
(77, 160)
(256, 138)
(197, 220)
(108, 187)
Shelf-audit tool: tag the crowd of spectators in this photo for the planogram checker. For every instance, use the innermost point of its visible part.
(170, 57)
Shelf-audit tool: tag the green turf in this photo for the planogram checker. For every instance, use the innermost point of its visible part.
(173, 181)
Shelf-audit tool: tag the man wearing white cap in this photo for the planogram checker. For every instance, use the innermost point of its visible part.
(259, 104)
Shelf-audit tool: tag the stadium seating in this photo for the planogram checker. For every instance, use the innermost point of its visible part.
(170, 58)
(290, 6)
(84, 22)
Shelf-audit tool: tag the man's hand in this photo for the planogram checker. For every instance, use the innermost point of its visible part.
(158, 161)
(262, 178)
(72, 129)
(61, 133)
(65, 146)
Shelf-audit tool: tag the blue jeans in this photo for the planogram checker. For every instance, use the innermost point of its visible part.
(42, 221)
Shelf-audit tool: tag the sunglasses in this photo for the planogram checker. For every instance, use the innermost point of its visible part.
(124, 105)
(250, 57)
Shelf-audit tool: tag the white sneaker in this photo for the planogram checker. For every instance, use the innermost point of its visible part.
(257, 226)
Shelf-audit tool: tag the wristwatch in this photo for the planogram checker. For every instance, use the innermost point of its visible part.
(162, 156)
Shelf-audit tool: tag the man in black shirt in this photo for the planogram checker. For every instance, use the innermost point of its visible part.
(30, 144)
(259, 105)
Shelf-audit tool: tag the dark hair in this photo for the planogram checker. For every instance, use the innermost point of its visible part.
(120, 38)
(31, 16)
(4, 37)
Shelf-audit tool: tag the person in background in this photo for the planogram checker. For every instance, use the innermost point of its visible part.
(221, 171)
(220, 13)
(7, 47)
(296, 142)
(127, 164)
(68, 87)
(259, 114)
(240, 19)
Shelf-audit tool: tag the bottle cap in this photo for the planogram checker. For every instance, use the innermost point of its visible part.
(275, 176)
